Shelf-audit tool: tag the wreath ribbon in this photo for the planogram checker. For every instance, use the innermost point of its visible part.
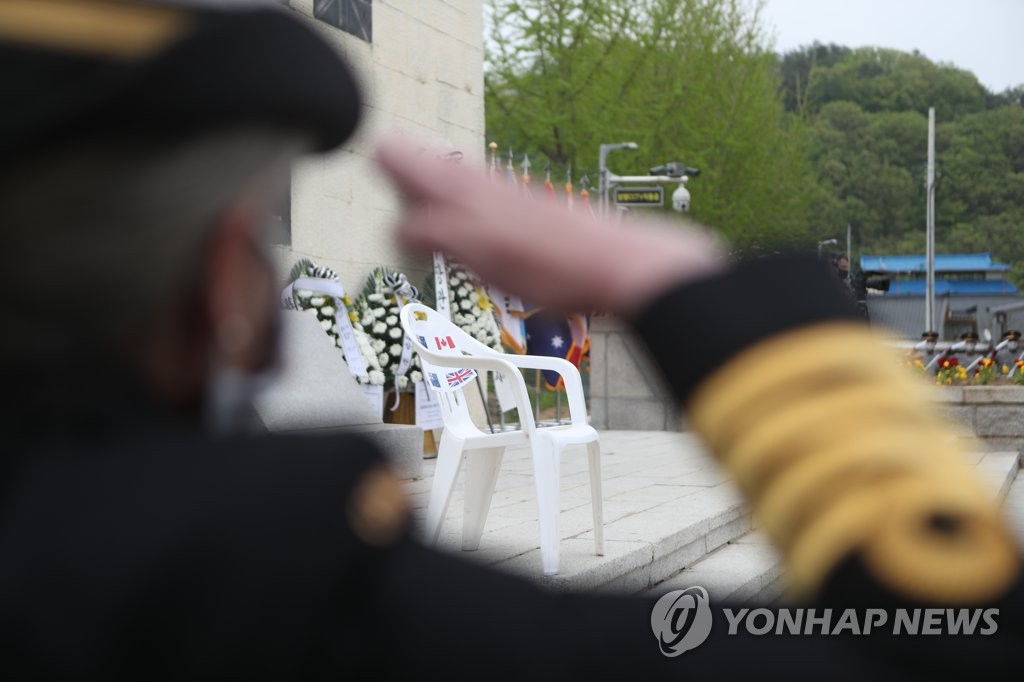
(346, 332)
(397, 286)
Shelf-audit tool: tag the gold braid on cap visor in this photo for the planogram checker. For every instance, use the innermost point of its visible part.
(837, 448)
(101, 27)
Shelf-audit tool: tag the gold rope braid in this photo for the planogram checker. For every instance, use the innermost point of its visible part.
(839, 451)
(105, 27)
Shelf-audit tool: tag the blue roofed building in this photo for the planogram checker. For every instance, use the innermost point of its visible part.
(971, 294)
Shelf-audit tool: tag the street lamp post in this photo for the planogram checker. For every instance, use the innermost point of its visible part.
(825, 242)
(603, 184)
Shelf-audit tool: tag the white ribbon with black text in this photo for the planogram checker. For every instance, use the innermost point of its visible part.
(346, 333)
(398, 286)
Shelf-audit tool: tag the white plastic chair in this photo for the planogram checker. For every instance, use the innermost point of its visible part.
(443, 345)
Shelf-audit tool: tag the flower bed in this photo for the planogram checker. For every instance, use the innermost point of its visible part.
(987, 372)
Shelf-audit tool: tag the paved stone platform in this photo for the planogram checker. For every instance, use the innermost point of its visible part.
(671, 515)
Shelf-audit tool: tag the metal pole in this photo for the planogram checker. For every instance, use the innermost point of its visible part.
(602, 178)
(849, 241)
(602, 172)
(929, 310)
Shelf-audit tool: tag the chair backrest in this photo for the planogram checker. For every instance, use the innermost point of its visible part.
(434, 337)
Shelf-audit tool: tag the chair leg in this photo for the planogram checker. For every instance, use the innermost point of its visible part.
(596, 499)
(546, 465)
(449, 459)
(481, 476)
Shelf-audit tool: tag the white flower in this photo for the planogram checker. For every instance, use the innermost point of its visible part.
(377, 378)
(416, 377)
(393, 310)
(474, 297)
(459, 319)
(377, 345)
(383, 359)
(327, 324)
(317, 301)
(465, 304)
(391, 320)
(380, 328)
(462, 275)
(303, 293)
(328, 310)
(403, 382)
(395, 333)
(453, 281)
(379, 312)
(461, 292)
(375, 298)
(396, 349)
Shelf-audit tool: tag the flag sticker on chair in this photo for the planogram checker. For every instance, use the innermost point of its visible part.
(451, 380)
(459, 377)
(443, 343)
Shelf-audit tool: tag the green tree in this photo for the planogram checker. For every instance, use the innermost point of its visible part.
(689, 80)
(866, 116)
(796, 66)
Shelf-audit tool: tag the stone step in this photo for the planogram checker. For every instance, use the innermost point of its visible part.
(666, 504)
(999, 469)
(1014, 506)
(749, 569)
(670, 512)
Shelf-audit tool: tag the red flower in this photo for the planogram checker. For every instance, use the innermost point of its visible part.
(950, 362)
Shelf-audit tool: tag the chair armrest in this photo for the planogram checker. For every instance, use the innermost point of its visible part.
(570, 377)
(491, 364)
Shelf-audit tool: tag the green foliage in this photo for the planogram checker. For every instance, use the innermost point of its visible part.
(688, 80)
(792, 148)
(302, 268)
(867, 133)
(888, 80)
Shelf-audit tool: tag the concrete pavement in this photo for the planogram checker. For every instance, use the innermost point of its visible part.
(671, 515)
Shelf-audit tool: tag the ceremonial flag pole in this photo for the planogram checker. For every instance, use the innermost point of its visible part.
(549, 187)
(585, 196)
(568, 188)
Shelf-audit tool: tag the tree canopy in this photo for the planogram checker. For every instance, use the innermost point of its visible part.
(867, 131)
(792, 147)
(687, 80)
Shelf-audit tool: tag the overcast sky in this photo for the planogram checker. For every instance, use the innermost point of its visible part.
(983, 36)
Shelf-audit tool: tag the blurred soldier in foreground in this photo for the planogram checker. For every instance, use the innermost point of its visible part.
(141, 149)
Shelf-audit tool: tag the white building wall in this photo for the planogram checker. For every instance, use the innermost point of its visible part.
(423, 76)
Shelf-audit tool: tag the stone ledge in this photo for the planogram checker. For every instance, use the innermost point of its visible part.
(947, 394)
(993, 394)
(999, 420)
